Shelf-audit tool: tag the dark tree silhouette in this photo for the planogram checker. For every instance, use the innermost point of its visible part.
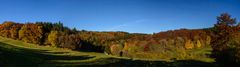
(224, 43)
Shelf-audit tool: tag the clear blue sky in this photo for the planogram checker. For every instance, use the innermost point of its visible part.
(136, 16)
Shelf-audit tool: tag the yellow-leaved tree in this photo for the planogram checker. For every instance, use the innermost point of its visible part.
(52, 38)
(189, 44)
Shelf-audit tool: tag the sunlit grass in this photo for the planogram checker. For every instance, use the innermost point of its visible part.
(17, 53)
(53, 51)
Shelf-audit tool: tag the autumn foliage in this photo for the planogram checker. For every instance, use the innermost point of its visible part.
(170, 44)
(115, 43)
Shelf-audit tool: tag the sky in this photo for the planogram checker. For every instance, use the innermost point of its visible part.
(134, 16)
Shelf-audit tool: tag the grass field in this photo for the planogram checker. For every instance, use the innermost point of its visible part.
(15, 53)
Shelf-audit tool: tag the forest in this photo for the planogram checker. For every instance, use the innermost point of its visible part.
(223, 39)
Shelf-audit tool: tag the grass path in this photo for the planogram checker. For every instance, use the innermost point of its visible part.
(14, 53)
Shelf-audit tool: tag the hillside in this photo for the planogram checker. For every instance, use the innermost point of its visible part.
(16, 53)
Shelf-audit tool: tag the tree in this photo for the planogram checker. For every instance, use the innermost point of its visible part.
(14, 30)
(198, 44)
(32, 33)
(224, 44)
(5, 28)
(53, 38)
(74, 30)
(70, 41)
(189, 44)
(116, 49)
(58, 26)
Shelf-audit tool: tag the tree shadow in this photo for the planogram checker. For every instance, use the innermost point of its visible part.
(55, 52)
(116, 62)
(142, 63)
(89, 47)
(12, 56)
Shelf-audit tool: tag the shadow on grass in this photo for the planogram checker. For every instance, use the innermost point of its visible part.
(13, 56)
(141, 63)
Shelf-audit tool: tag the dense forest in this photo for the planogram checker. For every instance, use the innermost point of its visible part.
(223, 38)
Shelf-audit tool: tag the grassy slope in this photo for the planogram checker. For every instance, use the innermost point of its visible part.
(16, 53)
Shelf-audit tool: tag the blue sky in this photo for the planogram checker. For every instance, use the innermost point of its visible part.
(135, 16)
